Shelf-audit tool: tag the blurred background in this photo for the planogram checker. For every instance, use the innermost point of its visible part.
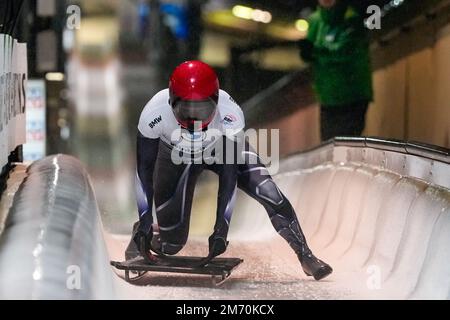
(93, 65)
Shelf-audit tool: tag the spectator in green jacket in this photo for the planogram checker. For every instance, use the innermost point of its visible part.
(337, 46)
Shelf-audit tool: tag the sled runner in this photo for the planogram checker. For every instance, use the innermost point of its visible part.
(219, 269)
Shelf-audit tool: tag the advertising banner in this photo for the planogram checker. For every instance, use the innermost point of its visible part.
(35, 148)
(13, 79)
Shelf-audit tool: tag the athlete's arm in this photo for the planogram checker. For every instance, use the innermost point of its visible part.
(147, 145)
(147, 152)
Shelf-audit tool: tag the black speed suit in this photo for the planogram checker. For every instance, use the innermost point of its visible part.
(174, 189)
(171, 183)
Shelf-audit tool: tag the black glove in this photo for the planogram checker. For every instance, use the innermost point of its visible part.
(143, 240)
(217, 245)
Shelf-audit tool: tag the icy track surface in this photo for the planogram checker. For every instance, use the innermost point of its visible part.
(276, 276)
(385, 235)
(381, 218)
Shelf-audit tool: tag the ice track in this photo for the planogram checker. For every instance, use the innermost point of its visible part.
(377, 211)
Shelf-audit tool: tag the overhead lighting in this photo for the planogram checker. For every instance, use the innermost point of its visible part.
(391, 5)
(302, 25)
(261, 16)
(248, 13)
(54, 76)
(242, 12)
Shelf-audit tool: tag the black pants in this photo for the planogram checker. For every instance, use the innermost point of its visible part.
(174, 189)
(346, 120)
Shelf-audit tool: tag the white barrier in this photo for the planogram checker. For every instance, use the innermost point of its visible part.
(52, 246)
(377, 211)
(13, 77)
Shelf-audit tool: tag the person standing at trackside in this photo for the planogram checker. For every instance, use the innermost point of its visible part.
(337, 46)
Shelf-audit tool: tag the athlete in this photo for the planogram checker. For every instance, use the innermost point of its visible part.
(180, 129)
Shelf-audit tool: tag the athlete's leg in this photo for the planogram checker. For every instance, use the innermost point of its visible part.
(254, 179)
(174, 189)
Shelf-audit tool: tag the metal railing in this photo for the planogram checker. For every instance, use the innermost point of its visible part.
(409, 158)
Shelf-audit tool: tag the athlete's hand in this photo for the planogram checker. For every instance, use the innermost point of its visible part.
(142, 240)
(217, 245)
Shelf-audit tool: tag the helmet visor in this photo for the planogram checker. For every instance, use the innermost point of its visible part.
(190, 112)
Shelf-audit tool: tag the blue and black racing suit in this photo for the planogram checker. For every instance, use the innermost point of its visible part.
(171, 184)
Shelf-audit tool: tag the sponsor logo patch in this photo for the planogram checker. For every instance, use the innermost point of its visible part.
(155, 122)
(193, 136)
(229, 119)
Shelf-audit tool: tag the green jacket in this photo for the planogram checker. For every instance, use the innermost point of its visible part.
(337, 45)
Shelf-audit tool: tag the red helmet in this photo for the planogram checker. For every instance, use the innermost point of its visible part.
(194, 93)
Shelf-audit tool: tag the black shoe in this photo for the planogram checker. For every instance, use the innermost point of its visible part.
(132, 251)
(155, 244)
(315, 267)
